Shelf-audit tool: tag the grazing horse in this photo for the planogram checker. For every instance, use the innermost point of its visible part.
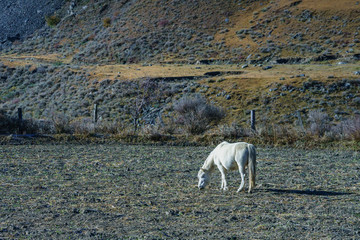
(230, 156)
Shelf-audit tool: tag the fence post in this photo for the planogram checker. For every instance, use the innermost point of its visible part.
(20, 119)
(95, 115)
(252, 120)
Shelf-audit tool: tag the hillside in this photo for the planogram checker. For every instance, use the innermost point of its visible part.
(278, 57)
(19, 19)
(177, 31)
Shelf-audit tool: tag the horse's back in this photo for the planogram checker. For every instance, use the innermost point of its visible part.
(231, 148)
(227, 153)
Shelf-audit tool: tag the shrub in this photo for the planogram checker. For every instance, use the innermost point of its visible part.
(52, 21)
(352, 128)
(319, 123)
(233, 131)
(144, 108)
(82, 126)
(110, 127)
(61, 123)
(7, 124)
(196, 114)
(37, 126)
(163, 23)
(153, 132)
(44, 126)
(29, 126)
(348, 129)
(107, 22)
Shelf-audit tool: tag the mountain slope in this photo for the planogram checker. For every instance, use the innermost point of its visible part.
(177, 31)
(98, 54)
(18, 19)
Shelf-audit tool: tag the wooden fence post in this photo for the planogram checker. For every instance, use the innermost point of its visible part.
(252, 120)
(20, 119)
(95, 115)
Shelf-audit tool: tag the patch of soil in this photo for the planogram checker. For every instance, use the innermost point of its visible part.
(134, 191)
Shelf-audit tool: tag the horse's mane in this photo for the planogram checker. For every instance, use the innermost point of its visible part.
(209, 162)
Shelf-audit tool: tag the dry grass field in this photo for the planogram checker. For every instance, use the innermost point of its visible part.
(110, 191)
(136, 71)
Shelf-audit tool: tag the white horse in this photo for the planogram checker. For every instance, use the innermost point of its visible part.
(230, 156)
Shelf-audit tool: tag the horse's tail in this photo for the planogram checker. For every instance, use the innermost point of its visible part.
(252, 166)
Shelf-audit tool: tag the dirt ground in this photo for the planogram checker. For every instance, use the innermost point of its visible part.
(115, 191)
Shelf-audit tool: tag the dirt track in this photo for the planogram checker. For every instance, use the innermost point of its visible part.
(121, 191)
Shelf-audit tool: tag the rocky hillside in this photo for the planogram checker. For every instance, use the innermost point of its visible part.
(132, 31)
(19, 19)
(235, 53)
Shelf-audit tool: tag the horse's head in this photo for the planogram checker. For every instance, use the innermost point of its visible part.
(204, 178)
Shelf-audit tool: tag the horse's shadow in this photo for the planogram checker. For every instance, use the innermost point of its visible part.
(306, 192)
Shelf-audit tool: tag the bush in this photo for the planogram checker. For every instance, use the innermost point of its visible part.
(29, 126)
(107, 22)
(52, 21)
(233, 131)
(319, 123)
(7, 124)
(268, 133)
(144, 107)
(61, 123)
(163, 23)
(196, 115)
(110, 127)
(82, 126)
(352, 128)
(152, 132)
(348, 129)
(37, 126)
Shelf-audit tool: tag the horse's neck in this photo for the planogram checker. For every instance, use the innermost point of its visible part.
(209, 163)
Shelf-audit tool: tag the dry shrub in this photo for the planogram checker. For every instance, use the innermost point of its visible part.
(87, 126)
(196, 115)
(319, 123)
(38, 126)
(352, 128)
(286, 134)
(61, 123)
(233, 131)
(52, 21)
(83, 126)
(152, 132)
(163, 23)
(144, 108)
(28, 126)
(268, 133)
(107, 22)
(169, 127)
(7, 124)
(348, 129)
(110, 127)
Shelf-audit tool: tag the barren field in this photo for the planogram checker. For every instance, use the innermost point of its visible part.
(115, 191)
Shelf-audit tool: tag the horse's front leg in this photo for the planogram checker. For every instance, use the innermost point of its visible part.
(223, 178)
(242, 175)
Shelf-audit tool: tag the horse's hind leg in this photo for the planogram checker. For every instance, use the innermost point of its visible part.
(242, 174)
(223, 178)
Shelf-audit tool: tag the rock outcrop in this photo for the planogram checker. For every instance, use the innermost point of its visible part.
(19, 18)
